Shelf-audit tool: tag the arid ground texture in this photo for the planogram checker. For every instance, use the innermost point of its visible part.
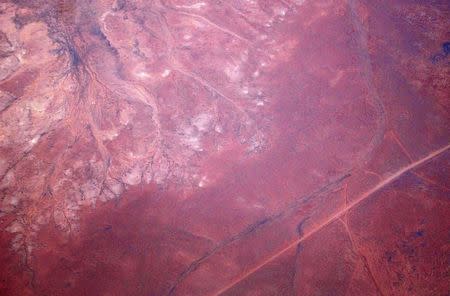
(224, 147)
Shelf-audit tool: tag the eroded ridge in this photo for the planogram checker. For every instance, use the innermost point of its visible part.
(102, 96)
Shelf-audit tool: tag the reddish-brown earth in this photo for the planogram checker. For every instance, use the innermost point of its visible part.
(241, 147)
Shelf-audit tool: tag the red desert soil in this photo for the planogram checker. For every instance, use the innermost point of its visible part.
(239, 147)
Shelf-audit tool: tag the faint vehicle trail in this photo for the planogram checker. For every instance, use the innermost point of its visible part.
(337, 215)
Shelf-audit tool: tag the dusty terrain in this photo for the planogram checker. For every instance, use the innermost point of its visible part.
(242, 147)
